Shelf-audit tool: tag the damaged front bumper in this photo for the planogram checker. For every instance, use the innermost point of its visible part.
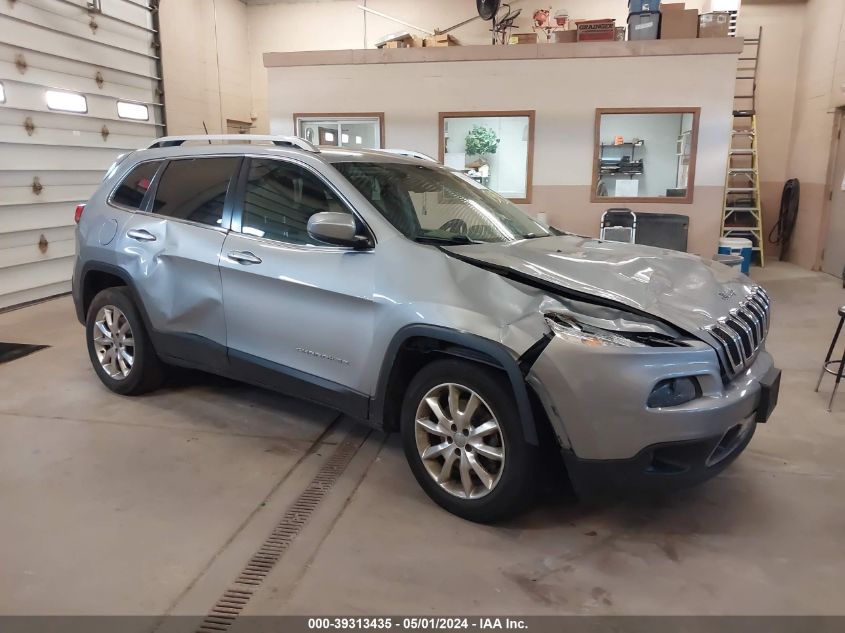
(596, 399)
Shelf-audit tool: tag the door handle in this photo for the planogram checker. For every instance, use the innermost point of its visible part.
(141, 235)
(244, 257)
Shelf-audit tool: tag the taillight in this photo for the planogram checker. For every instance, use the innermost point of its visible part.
(77, 216)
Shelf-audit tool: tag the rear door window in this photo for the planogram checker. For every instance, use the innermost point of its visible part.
(130, 193)
(195, 189)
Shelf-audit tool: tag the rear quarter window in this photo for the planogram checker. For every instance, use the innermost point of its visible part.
(130, 193)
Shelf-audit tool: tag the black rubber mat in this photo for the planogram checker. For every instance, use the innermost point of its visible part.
(13, 351)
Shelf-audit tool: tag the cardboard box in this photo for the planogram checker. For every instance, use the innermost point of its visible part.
(678, 24)
(714, 25)
(523, 38)
(441, 40)
(673, 6)
(596, 30)
(643, 26)
(401, 41)
(565, 37)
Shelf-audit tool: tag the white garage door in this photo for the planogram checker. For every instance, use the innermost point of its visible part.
(79, 85)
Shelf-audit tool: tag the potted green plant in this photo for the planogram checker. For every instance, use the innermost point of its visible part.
(481, 140)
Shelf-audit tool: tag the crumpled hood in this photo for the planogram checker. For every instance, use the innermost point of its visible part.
(682, 289)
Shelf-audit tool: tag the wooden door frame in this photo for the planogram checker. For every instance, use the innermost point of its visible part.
(830, 182)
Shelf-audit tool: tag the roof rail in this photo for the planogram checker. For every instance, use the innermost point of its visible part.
(409, 153)
(285, 141)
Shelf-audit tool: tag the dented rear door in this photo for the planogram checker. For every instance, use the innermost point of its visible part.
(172, 251)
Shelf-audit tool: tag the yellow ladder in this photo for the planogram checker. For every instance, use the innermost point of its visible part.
(742, 210)
(742, 214)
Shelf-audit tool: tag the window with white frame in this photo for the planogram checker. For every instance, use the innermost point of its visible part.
(2, 93)
(341, 130)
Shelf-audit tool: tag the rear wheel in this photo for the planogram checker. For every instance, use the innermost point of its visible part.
(464, 442)
(118, 345)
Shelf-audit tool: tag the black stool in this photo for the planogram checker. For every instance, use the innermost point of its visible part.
(826, 368)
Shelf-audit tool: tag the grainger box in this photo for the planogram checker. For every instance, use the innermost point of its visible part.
(596, 30)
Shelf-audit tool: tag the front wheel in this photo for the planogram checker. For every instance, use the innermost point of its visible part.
(464, 441)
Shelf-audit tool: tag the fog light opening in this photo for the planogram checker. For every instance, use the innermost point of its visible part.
(674, 392)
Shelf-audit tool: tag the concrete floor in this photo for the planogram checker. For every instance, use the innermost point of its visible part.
(152, 505)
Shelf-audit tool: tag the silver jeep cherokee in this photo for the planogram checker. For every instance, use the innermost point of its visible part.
(408, 296)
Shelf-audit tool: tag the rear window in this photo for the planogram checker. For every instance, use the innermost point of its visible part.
(195, 189)
(131, 191)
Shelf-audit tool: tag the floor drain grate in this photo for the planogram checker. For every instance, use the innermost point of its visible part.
(235, 598)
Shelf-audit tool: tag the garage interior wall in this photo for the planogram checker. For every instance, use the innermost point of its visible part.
(819, 90)
(50, 160)
(205, 53)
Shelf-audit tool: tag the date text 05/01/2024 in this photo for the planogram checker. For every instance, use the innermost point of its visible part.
(417, 623)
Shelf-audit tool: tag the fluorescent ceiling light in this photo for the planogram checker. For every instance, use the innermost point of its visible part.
(136, 111)
(66, 101)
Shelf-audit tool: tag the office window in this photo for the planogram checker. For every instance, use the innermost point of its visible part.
(493, 148)
(342, 130)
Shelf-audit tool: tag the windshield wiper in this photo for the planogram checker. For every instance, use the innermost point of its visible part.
(431, 239)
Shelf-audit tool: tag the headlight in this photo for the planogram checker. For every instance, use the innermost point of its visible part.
(576, 332)
(674, 392)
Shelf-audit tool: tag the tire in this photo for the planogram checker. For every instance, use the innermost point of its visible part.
(146, 372)
(508, 487)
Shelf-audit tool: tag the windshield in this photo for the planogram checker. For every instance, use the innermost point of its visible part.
(437, 205)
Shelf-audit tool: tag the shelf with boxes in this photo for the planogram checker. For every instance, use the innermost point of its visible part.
(652, 19)
(647, 20)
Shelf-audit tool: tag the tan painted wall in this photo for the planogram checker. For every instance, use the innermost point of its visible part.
(195, 34)
(411, 95)
(813, 123)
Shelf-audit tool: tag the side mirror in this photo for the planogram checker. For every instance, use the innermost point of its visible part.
(335, 228)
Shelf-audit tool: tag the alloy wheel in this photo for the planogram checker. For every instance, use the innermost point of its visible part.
(459, 441)
(114, 343)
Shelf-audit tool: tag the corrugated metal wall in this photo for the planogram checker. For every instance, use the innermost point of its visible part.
(51, 160)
